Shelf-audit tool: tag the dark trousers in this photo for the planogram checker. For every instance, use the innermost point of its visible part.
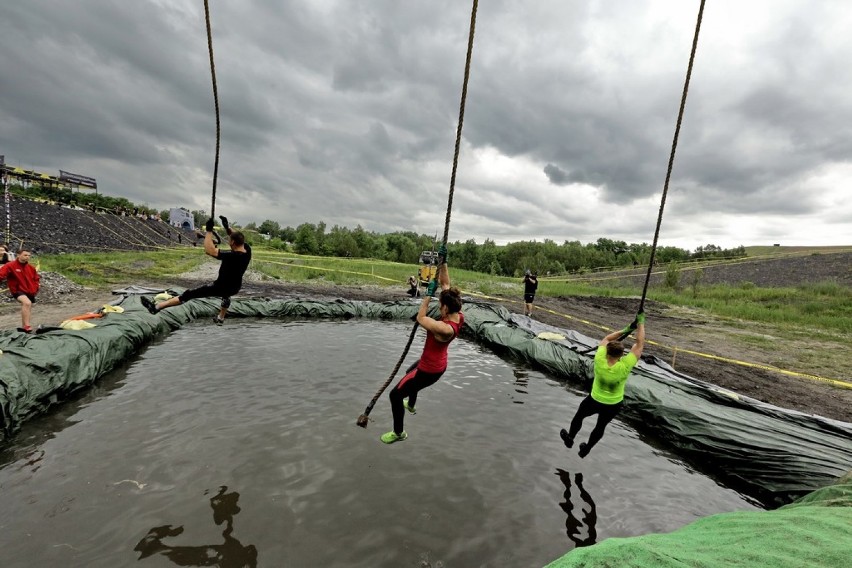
(208, 291)
(605, 412)
(413, 382)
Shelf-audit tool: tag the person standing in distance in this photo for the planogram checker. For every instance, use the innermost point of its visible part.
(230, 280)
(612, 367)
(530, 286)
(23, 283)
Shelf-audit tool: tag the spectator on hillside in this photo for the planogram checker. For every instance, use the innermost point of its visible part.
(23, 283)
(4, 254)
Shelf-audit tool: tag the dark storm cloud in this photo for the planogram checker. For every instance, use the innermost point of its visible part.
(556, 175)
(348, 110)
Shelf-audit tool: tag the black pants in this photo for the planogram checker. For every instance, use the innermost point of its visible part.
(605, 412)
(208, 291)
(413, 382)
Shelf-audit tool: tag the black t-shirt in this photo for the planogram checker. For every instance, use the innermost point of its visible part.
(530, 284)
(234, 265)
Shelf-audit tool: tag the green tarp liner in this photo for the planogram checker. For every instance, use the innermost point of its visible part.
(815, 531)
(772, 454)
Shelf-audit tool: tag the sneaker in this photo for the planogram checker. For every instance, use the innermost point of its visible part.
(392, 437)
(27, 329)
(149, 305)
(569, 441)
(584, 450)
(218, 321)
(410, 409)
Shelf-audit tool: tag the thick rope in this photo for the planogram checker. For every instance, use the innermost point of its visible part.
(362, 420)
(461, 120)
(216, 104)
(672, 155)
(668, 171)
(7, 200)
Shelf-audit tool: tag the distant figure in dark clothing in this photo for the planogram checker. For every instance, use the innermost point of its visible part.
(530, 286)
(230, 280)
(4, 255)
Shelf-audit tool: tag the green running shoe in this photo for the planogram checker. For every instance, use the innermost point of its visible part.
(392, 437)
(410, 409)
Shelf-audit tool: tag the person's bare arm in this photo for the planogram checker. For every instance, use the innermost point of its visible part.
(443, 332)
(443, 276)
(611, 337)
(209, 246)
(640, 341)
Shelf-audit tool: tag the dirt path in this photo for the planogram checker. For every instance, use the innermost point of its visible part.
(666, 326)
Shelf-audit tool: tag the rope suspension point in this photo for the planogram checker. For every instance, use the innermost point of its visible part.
(364, 418)
(216, 104)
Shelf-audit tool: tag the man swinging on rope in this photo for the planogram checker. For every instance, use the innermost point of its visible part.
(612, 368)
(433, 362)
(230, 280)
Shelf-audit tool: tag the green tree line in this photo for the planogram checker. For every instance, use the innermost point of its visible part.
(543, 257)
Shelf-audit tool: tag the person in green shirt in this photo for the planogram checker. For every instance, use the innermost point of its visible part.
(612, 367)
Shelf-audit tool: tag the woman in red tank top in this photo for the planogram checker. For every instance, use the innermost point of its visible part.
(433, 361)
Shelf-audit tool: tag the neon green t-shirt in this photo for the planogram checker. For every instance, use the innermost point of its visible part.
(608, 387)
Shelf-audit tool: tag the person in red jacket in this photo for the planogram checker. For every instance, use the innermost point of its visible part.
(433, 362)
(23, 284)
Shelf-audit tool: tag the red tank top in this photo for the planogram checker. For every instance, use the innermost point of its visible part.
(434, 357)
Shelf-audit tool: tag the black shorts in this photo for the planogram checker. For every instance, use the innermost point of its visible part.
(209, 291)
(528, 298)
(30, 296)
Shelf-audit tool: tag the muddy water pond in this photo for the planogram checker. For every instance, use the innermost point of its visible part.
(237, 446)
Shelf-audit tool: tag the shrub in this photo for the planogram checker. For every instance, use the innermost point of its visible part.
(672, 279)
(697, 275)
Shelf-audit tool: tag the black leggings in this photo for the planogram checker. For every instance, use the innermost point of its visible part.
(208, 291)
(605, 412)
(413, 382)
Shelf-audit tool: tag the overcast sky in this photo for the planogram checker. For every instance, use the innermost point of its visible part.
(346, 112)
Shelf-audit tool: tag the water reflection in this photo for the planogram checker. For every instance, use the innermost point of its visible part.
(585, 516)
(522, 382)
(230, 554)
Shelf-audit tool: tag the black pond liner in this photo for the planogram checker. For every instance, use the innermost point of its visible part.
(772, 454)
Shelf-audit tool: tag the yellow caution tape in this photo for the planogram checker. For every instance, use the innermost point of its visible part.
(835, 382)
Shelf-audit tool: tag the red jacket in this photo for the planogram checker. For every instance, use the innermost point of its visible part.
(23, 278)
